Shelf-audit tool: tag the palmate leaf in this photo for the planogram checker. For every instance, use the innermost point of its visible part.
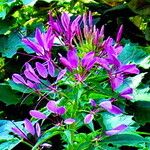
(141, 95)
(110, 121)
(135, 54)
(10, 45)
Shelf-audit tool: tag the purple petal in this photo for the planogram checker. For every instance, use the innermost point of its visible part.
(129, 69)
(106, 105)
(114, 60)
(101, 34)
(61, 110)
(110, 108)
(69, 121)
(37, 114)
(18, 79)
(126, 93)
(20, 133)
(66, 63)
(39, 37)
(38, 129)
(41, 70)
(61, 74)
(116, 81)
(88, 118)
(88, 57)
(103, 63)
(90, 19)
(65, 20)
(118, 50)
(91, 64)
(119, 34)
(115, 110)
(75, 24)
(30, 73)
(51, 106)
(29, 127)
(31, 76)
(31, 85)
(93, 103)
(51, 69)
(73, 58)
(116, 130)
(38, 49)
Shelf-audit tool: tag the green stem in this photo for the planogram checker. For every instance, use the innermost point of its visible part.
(144, 133)
(26, 143)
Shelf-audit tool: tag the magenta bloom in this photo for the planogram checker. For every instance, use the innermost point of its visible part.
(52, 106)
(118, 72)
(107, 105)
(37, 114)
(69, 121)
(42, 44)
(119, 34)
(72, 62)
(127, 93)
(88, 118)
(116, 130)
(65, 27)
(34, 130)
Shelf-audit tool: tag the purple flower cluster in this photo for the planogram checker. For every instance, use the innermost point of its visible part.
(86, 50)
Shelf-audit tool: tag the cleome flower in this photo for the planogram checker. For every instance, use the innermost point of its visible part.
(81, 67)
(53, 108)
(42, 43)
(32, 77)
(106, 105)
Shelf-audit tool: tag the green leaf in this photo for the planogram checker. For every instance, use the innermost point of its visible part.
(84, 146)
(3, 11)
(141, 95)
(8, 144)
(141, 111)
(10, 45)
(140, 7)
(5, 26)
(98, 96)
(19, 87)
(111, 121)
(7, 95)
(68, 136)
(46, 136)
(135, 54)
(125, 140)
(7, 140)
(136, 80)
(29, 2)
